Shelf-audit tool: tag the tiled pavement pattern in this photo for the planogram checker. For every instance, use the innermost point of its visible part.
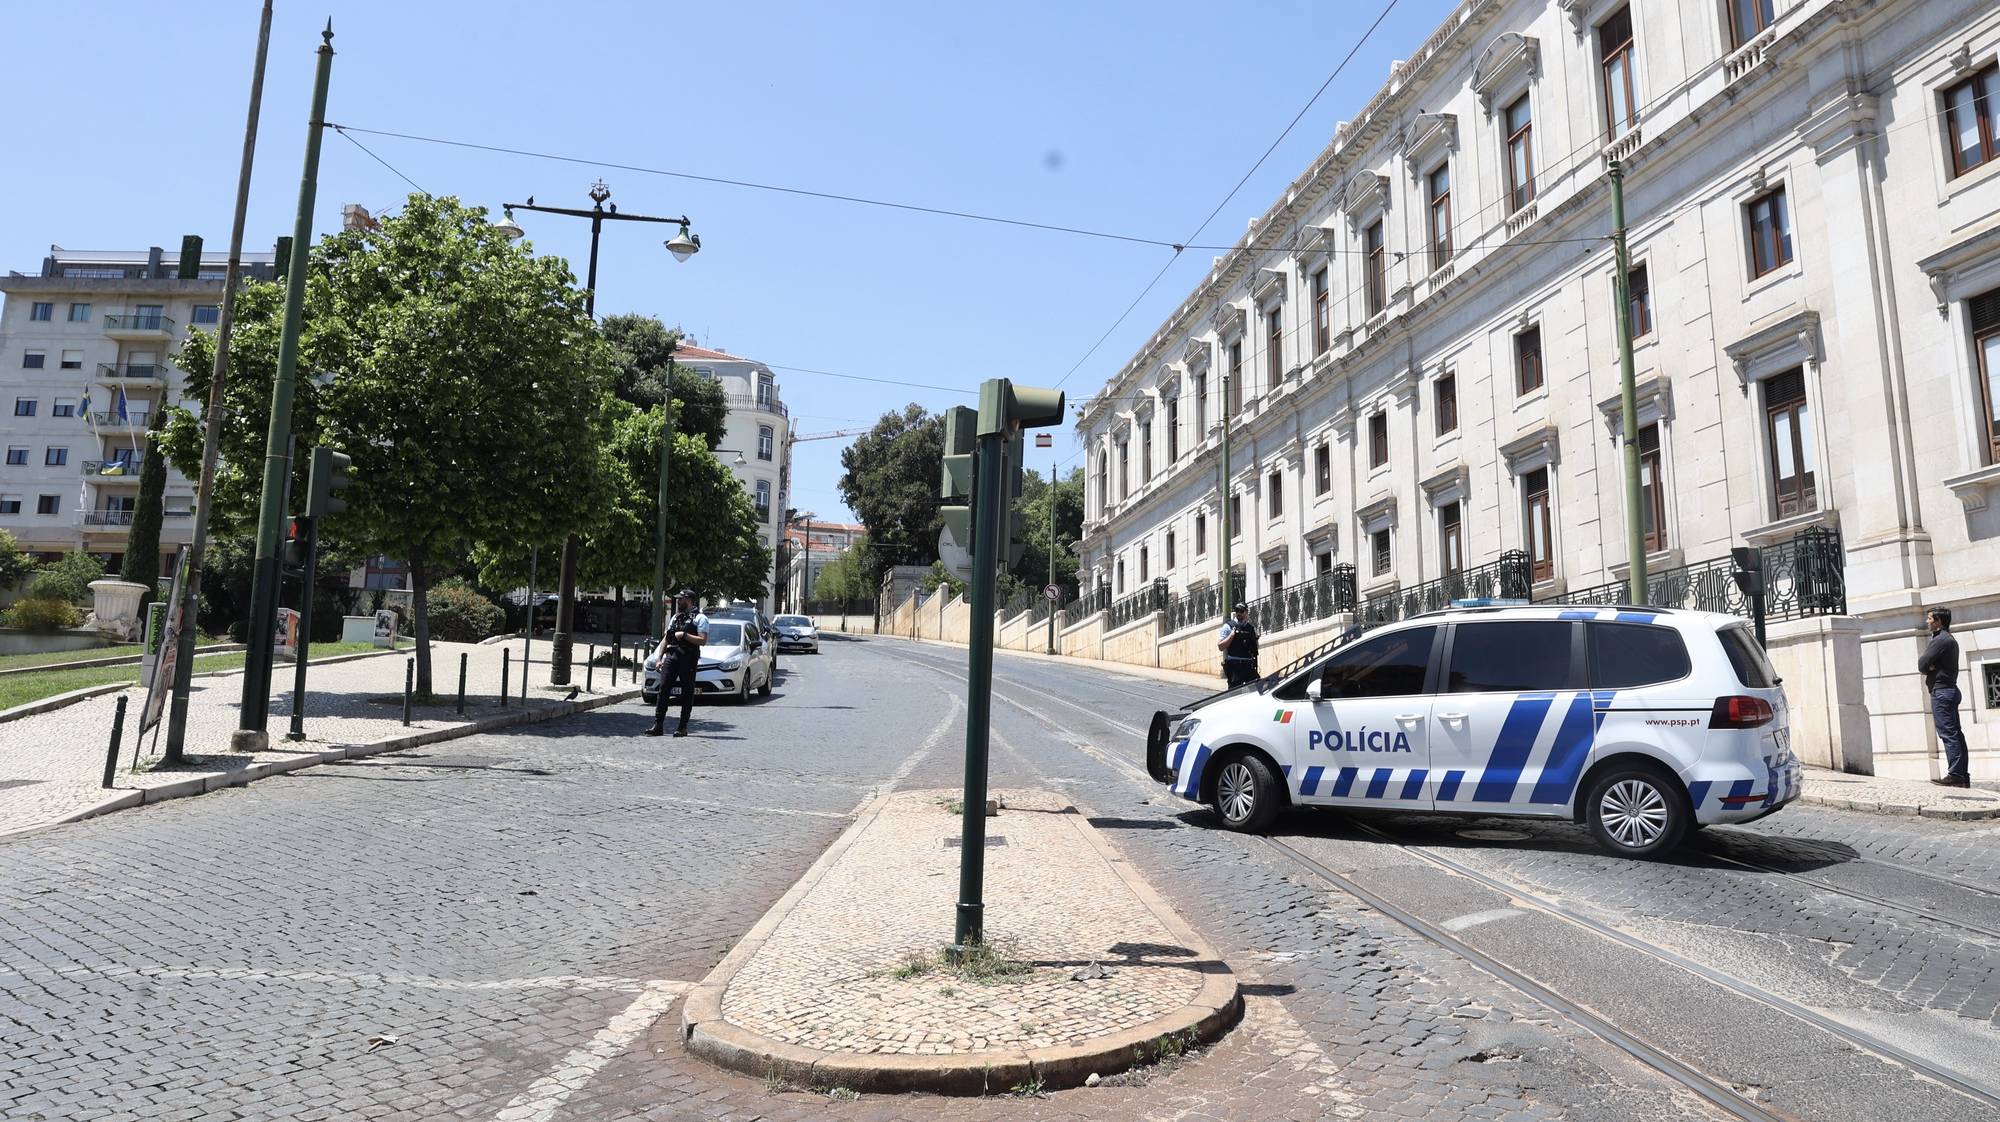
(1903, 796)
(828, 977)
(52, 764)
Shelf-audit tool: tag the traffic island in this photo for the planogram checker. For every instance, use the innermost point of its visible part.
(845, 981)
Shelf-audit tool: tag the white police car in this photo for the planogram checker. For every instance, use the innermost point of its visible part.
(1642, 723)
(734, 661)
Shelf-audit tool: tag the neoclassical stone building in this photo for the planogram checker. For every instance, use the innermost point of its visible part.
(1420, 352)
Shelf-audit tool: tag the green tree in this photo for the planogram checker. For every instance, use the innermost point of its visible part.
(457, 369)
(142, 545)
(645, 347)
(14, 564)
(844, 577)
(891, 482)
(1038, 545)
(68, 579)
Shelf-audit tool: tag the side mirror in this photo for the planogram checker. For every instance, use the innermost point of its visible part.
(1313, 690)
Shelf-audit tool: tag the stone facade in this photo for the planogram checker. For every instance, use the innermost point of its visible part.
(1422, 335)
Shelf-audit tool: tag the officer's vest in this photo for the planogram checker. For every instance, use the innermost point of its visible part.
(1243, 642)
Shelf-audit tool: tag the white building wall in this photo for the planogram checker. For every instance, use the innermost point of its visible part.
(757, 433)
(1838, 104)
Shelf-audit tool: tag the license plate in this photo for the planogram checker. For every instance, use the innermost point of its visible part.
(1783, 738)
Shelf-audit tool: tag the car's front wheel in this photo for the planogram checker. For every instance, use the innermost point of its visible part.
(1637, 811)
(1246, 793)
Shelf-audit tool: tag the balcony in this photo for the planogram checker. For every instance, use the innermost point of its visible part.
(749, 401)
(143, 375)
(133, 420)
(115, 469)
(147, 325)
(111, 518)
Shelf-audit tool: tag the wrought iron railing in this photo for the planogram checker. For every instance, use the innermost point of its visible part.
(151, 321)
(1151, 598)
(752, 401)
(1804, 577)
(1318, 599)
(1508, 578)
(107, 517)
(131, 371)
(110, 418)
(128, 467)
(1086, 604)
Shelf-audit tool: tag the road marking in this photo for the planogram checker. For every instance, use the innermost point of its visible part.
(1474, 919)
(541, 1100)
(328, 977)
(922, 753)
(742, 808)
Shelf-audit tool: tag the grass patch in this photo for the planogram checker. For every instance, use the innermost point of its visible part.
(1032, 1089)
(45, 658)
(844, 1095)
(20, 689)
(986, 965)
(1174, 1045)
(915, 966)
(953, 807)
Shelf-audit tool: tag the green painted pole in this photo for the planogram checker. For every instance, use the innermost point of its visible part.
(989, 517)
(1635, 530)
(660, 521)
(250, 731)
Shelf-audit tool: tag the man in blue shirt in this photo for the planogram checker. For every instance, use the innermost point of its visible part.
(1238, 644)
(678, 656)
(1939, 666)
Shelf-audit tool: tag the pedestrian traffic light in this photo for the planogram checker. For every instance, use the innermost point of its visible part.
(296, 534)
(329, 477)
(955, 543)
(1749, 573)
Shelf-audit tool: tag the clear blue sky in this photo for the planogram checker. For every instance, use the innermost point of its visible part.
(1133, 117)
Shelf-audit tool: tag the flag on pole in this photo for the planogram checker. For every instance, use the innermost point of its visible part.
(123, 418)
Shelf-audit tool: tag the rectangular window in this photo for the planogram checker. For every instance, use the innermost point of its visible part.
(1378, 546)
(34, 360)
(1322, 314)
(1143, 558)
(206, 315)
(1537, 524)
(1124, 469)
(63, 407)
(764, 389)
(42, 311)
(1438, 188)
(55, 457)
(765, 442)
(1747, 18)
(1528, 361)
(80, 313)
(1614, 48)
(1201, 404)
(1639, 293)
(72, 360)
(1984, 311)
(1972, 120)
(1276, 489)
(1520, 153)
(1323, 564)
(1170, 551)
(24, 407)
(1445, 390)
(1235, 404)
(763, 499)
(1121, 576)
(1173, 429)
(1770, 232)
(149, 317)
(17, 457)
(1235, 516)
(1146, 450)
(1377, 265)
(1787, 426)
(1451, 538)
(1513, 656)
(1274, 344)
(1652, 493)
(1322, 470)
(10, 505)
(1378, 439)
(1200, 535)
(1277, 581)
(48, 504)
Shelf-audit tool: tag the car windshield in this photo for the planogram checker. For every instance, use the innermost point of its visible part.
(722, 634)
(794, 621)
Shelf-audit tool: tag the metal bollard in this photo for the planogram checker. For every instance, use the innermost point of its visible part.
(588, 667)
(505, 655)
(117, 734)
(409, 687)
(463, 658)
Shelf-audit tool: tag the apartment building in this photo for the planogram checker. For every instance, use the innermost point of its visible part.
(810, 546)
(1415, 347)
(86, 358)
(756, 440)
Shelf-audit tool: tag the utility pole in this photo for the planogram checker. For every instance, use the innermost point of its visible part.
(1222, 491)
(660, 521)
(250, 735)
(183, 630)
(1635, 529)
(1044, 440)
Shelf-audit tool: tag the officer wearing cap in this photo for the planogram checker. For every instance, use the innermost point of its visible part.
(1238, 644)
(677, 657)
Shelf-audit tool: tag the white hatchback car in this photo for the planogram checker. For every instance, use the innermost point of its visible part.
(734, 661)
(795, 633)
(1642, 723)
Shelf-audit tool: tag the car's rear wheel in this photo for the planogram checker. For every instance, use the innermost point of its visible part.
(1246, 793)
(765, 689)
(1637, 811)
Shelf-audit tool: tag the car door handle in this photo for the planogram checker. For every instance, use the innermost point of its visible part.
(1409, 718)
(1452, 718)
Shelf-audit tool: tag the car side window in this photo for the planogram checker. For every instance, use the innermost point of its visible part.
(1390, 665)
(1624, 655)
(1513, 656)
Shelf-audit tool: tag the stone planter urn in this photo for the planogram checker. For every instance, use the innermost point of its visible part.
(116, 609)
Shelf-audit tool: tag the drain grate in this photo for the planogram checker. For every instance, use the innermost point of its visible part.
(993, 841)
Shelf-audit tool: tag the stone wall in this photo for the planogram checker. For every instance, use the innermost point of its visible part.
(1137, 642)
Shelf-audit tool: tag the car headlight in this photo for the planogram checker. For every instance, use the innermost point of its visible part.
(1185, 730)
(652, 664)
(733, 662)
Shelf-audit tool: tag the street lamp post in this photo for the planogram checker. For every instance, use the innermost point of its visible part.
(683, 246)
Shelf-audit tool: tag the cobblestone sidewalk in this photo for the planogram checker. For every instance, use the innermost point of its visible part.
(52, 764)
(1880, 795)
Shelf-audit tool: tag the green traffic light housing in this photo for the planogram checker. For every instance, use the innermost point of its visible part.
(329, 477)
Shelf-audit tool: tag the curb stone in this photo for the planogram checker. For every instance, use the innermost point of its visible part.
(1903, 810)
(200, 784)
(1214, 1009)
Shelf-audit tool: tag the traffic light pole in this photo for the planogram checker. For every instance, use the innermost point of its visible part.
(250, 733)
(1635, 529)
(990, 521)
(311, 576)
(1222, 498)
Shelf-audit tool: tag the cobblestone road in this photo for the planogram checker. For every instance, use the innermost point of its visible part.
(494, 928)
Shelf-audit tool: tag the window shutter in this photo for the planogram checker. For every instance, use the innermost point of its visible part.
(1785, 388)
(1985, 312)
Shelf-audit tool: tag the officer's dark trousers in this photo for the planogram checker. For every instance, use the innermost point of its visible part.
(1236, 671)
(678, 674)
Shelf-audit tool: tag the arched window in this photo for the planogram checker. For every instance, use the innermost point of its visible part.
(763, 499)
(764, 441)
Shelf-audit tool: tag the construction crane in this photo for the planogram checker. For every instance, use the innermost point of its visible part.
(834, 435)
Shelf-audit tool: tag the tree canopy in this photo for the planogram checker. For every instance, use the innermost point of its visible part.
(1036, 495)
(644, 348)
(890, 482)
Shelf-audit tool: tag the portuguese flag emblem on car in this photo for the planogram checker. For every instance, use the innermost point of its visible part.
(1282, 716)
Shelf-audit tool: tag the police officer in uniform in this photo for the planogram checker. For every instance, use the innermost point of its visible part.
(678, 655)
(1238, 644)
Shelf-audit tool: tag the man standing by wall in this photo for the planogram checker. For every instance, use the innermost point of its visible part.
(1939, 666)
(1238, 644)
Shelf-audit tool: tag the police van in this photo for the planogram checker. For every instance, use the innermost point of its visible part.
(1643, 724)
